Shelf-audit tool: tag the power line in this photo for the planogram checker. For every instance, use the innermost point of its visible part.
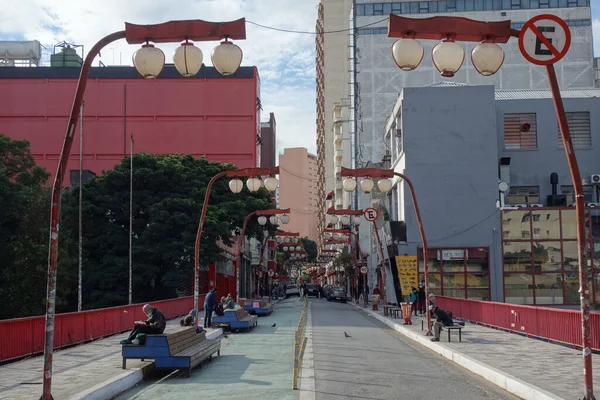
(314, 33)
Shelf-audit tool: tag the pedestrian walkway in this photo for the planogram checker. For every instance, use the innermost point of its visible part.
(517, 363)
(75, 370)
(256, 364)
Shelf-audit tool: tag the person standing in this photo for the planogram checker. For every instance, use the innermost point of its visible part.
(414, 298)
(376, 296)
(421, 299)
(210, 301)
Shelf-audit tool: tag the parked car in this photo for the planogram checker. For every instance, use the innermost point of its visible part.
(292, 290)
(312, 289)
(326, 290)
(337, 293)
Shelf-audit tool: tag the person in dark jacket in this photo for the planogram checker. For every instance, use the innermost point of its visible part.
(210, 301)
(155, 324)
(443, 319)
(421, 299)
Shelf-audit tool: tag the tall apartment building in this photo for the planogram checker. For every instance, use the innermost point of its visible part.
(268, 137)
(298, 190)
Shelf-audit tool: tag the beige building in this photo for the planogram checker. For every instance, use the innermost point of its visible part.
(298, 190)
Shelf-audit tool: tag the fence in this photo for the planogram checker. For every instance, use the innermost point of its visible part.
(299, 344)
(25, 336)
(551, 324)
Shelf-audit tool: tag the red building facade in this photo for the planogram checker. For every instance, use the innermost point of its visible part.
(207, 115)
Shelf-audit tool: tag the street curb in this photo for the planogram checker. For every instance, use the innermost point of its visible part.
(112, 387)
(307, 374)
(506, 381)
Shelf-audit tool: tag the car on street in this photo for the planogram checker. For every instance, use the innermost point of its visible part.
(326, 290)
(337, 293)
(292, 290)
(312, 289)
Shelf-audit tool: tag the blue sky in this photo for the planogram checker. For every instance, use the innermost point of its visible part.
(285, 60)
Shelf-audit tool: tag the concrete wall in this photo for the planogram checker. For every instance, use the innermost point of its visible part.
(450, 156)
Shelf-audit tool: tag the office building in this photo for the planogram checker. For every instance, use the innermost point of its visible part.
(268, 138)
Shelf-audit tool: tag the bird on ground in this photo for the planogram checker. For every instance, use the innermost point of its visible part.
(346, 335)
(274, 325)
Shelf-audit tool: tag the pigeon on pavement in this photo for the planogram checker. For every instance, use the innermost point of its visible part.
(274, 325)
(345, 334)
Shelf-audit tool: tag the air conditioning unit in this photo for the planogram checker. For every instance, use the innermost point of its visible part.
(536, 205)
(595, 179)
(593, 204)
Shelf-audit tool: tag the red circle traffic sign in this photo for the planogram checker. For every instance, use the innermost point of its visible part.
(271, 273)
(371, 214)
(364, 270)
(544, 39)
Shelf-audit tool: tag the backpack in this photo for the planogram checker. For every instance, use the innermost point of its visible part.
(219, 310)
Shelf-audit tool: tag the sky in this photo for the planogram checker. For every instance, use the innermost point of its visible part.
(285, 61)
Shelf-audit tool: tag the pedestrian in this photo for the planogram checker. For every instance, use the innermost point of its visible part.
(375, 297)
(421, 298)
(210, 301)
(442, 319)
(414, 298)
(155, 324)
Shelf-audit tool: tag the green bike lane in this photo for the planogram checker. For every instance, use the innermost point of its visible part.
(255, 364)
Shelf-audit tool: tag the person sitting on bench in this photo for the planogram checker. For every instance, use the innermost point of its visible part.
(228, 303)
(443, 319)
(155, 324)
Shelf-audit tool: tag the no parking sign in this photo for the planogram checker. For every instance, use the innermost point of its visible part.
(544, 39)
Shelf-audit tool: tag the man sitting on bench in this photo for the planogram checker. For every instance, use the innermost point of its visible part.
(443, 319)
(155, 324)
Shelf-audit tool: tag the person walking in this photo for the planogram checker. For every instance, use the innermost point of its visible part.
(414, 298)
(375, 298)
(210, 301)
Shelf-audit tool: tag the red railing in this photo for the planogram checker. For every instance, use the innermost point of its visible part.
(25, 336)
(555, 325)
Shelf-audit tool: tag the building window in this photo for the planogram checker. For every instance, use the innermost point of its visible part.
(458, 272)
(518, 195)
(569, 191)
(520, 131)
(579, 127)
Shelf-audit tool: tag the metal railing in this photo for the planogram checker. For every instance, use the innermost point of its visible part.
(299, 344)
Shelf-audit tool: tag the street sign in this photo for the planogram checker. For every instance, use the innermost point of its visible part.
(544, 39)
(364, 270)
(271, 273)
(371, 214)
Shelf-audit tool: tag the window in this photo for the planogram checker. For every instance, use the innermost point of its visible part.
(579, 126)
(523, 195)
(378, 9)
(520, 131)
(588, 193)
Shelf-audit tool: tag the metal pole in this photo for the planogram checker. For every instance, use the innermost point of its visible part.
(425, 248)
(197, 243)
(581, 242)
(80, 277)
(131, 222)
(55, 211)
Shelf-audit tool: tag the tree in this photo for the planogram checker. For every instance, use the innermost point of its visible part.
(311, 249)
(24, 216)
(168, 192)
(345, 262)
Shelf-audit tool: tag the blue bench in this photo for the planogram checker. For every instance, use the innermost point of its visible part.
(181, 348)
(236, 319)
(258, 307)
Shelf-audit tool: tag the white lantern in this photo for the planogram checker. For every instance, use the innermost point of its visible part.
(367, 185)
(384, 185)
(349, 184)
(327, 236)
(357, 220)
(407, 53)
(285, 248)
(448, 57)
(334, 219)
(345, 220)
(286, 239)
(262, 220)
(226, 58)
(274, 220)
(298, 248)
(149, 61)
(253, 184)
(487, 58)
(295, 240)
(284, 219)
(236, 185)
(271, 184)
(336, 236)
(278, 239)
(188, 59)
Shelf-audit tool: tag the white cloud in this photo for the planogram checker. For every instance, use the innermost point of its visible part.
(285, 61)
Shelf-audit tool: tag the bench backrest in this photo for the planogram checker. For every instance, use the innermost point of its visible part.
(241, 313)
(183, 339)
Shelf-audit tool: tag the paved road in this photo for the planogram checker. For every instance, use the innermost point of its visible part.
(253, 365)
(379, 363)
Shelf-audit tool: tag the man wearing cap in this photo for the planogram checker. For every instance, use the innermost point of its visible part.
(155, 324)
(442, 319)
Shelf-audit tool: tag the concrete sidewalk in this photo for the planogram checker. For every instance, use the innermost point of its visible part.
(88, 371)
(529, 368)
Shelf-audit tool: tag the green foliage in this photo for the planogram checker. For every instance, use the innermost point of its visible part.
(168, 192)
(24, 216)
(346, 261)
(311, 249)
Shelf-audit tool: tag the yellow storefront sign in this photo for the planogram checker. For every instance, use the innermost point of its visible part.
(407, 273)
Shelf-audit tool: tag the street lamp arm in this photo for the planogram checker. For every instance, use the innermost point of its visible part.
(195, 30)
(245, 172)
(333, 211)
(272, 211)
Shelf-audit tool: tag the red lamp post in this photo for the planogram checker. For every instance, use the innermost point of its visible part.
(385, 185)
(149, 61)
(487, 58)
(236, 186)
(261, 214)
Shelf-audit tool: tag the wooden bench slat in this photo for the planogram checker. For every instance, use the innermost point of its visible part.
(196, 348)
(187, 344)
